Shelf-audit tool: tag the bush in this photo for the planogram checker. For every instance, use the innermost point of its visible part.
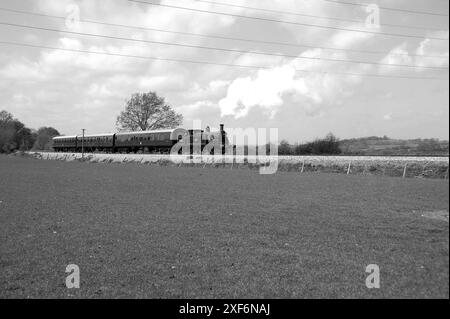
(329, 145)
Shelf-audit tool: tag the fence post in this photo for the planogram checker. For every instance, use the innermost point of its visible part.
(349, 167)
(404, 171)
(423, 169)
(303, 166)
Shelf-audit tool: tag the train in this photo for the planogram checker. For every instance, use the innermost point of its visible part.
(156, 141)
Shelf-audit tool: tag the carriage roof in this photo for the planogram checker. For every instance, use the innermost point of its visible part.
(64, 137)
(96, 135)
(146, 132)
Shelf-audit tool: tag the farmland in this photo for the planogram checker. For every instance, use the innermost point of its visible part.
(197, 232)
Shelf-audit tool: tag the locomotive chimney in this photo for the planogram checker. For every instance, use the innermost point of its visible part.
(223, 138)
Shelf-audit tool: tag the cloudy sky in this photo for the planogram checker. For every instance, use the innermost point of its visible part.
(297, 87)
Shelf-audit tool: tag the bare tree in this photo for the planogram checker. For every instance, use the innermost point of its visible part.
(147, 111)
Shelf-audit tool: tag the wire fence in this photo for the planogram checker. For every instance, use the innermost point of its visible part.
(404, 167)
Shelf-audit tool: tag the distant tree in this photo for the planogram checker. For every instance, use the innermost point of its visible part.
(329, 145)
(303, 149)
(147, 111)
(25, 138)
(284, 148)
(7, 132)
(44, 138)
(5, 117)
(13, 134)
(260, 150)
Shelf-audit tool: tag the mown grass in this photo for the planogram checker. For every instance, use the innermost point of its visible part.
(168, 232)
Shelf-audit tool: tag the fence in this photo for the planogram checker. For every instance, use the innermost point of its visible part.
(405, 167)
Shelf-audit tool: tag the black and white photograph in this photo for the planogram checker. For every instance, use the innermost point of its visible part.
(224, 156)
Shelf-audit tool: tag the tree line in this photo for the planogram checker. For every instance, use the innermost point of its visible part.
(329, 145)
(15, 136)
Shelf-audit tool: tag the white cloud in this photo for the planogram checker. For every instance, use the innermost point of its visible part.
(197, 110)
(398, 55)
(433, 48)
(313, 89)
(99, 91)
(269, 88)
(436, 51)
(345, 39)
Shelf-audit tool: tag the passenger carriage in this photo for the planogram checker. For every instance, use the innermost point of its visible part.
(157, 141)
(65, 144)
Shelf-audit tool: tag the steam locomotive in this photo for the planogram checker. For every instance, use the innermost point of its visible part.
(158, 141)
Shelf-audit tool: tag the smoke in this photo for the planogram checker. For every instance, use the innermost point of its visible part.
(270, 89)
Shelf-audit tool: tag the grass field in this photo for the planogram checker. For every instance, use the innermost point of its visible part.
(166, 232)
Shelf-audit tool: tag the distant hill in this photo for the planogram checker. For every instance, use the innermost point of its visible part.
(392, 147)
